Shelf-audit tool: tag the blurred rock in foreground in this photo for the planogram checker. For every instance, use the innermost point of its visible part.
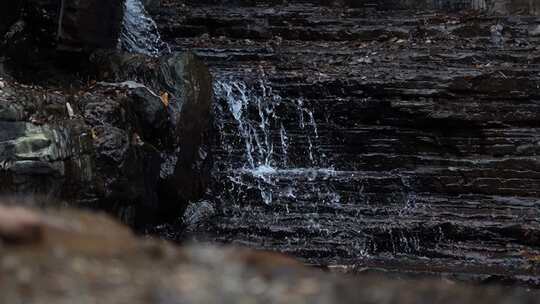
(79, 257)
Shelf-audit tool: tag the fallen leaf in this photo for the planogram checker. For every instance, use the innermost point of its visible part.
(165, 98)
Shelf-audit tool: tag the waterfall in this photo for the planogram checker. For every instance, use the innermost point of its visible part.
(259, 125)
(140, 33)
(271, 169)
(241, 101)
(256, 144)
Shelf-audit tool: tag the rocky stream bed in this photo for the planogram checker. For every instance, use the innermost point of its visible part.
(373, 137)
(393, 145)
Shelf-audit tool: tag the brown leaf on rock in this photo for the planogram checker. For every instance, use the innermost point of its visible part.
(165, 98)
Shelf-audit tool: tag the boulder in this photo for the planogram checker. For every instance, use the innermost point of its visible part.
(136, 149)
(187, 85)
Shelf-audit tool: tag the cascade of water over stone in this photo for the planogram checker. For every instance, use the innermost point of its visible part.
(271, 167)
(257, 144)
(360, 154)
(271, 155)
(140, 33)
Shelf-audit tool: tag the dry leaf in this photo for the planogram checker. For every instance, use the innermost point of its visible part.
(165, 98)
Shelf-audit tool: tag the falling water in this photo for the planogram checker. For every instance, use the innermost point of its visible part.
(270, 162)
(140, 33)
(261, 136)
(271, 158)
(276, 190)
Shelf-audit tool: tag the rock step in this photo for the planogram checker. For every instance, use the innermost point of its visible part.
(429, 121)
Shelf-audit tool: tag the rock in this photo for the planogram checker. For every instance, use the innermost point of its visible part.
(89, 256)
(432, 147)
(152, 113)
(120, 148)
(78, 24)
(185, 172)
(33, 222)
(90, 24)
(19, 225)
(44, 159)
(55, 36)
(198, 214)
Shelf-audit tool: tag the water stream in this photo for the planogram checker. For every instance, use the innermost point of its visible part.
(140, 33)
(256, 144)
(299, 170)
(271, 171)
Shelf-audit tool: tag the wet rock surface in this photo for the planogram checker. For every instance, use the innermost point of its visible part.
(67, 256)
(411, 136)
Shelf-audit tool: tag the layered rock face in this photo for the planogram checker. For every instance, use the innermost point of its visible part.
(65, 256)
(499, 6)
(418, 129)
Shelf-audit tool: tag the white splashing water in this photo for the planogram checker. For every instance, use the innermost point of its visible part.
(140, 33)
(266, 157)
(253, 112)
(283, 170)
(284, 144)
